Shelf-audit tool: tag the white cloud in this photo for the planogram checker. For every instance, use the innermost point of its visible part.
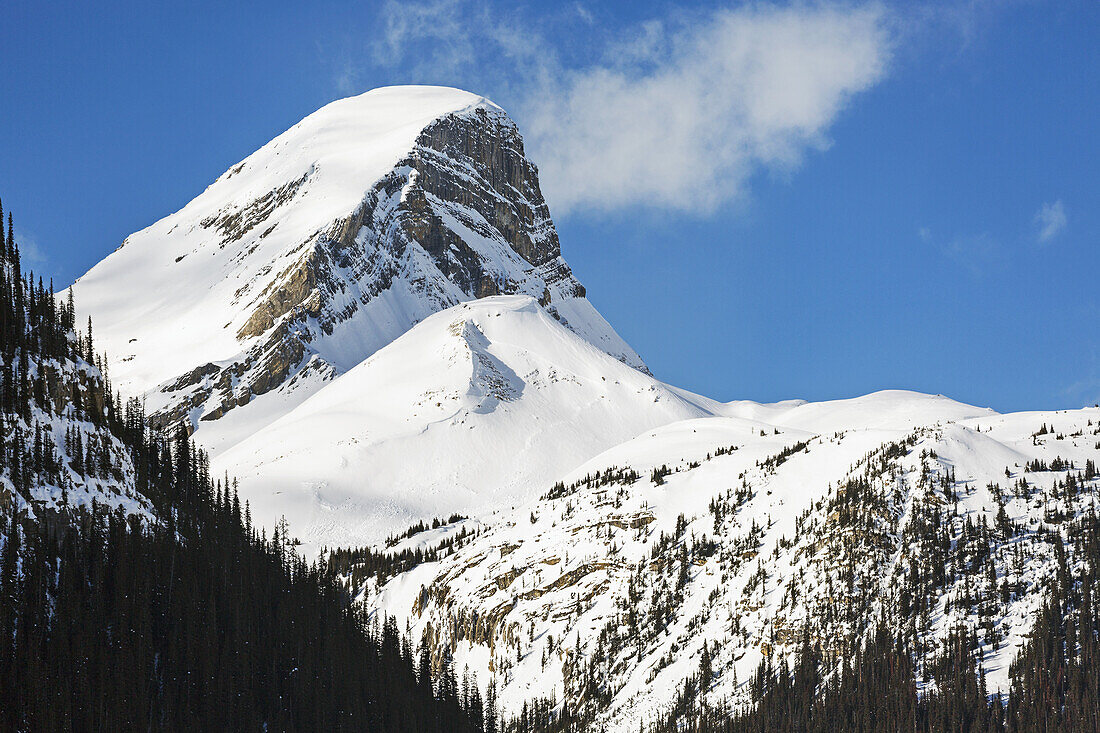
(584, 13)
(462, 43)
(678, 113)
(442, 22)
(749, 89)
(981, 254)
(29, 251)
(1051, 221)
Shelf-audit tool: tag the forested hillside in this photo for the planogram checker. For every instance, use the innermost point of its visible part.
(897, 562)
(820, 575)
(135, 592)
(1055, 679)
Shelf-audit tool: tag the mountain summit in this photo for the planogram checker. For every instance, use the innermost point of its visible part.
(369, 323)
(322, 247)
(477, 407)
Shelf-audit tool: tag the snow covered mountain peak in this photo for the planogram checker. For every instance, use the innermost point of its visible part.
(369, 323)
(480, 406)
(340, 150)
(322, 247)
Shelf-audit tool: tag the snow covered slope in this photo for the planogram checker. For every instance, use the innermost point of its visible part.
(740, 534)
(886, 410)
(62, 436)
(479, 406)
(369, 323)
(320, 248)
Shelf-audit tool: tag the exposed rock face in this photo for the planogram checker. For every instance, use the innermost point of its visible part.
(294, 289)
(506, 195)
(65, 385)
(459, 217)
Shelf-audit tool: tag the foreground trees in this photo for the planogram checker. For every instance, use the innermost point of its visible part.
(170, 611)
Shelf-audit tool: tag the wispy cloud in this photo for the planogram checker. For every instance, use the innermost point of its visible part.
(444, 23)
(1051, 221)
(584, 13)
(686, 122)
(978, 253)
(1085, 391)
(29, 251)
(459, 43)
(678, 113)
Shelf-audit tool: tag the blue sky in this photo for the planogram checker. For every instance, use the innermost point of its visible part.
(767, 201)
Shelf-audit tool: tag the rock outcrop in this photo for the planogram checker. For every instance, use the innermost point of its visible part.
(457, 215)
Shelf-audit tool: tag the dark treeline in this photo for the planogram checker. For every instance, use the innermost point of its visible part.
(1055, 679)
(357, 564)
(178, 615)
(422, 526)
(114, 626)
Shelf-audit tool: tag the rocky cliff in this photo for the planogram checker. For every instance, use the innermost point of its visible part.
(325, 245)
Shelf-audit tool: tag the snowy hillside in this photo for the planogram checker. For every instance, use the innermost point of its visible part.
(61, 430)
(738, 534)
(477, 407)
(72, 460)
(320, 248)
(370, 325)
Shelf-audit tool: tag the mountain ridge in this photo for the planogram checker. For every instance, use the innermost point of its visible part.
(473, 408)
(615, 545)
(324, 245)
(745, 538)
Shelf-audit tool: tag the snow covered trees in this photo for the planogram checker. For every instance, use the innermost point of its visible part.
(155, 604)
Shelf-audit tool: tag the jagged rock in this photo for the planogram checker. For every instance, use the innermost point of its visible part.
(458, 215)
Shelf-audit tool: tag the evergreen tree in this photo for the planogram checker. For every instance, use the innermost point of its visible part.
(176, 616)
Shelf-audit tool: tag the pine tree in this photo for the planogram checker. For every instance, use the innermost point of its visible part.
(178, 617)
